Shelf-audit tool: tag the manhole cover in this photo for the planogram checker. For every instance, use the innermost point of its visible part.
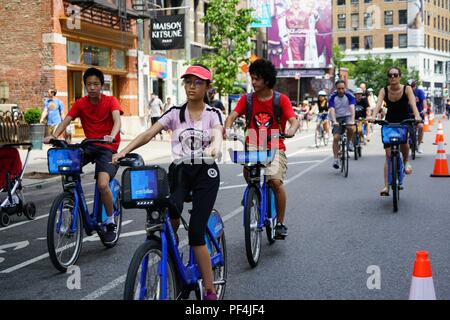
(37, 175)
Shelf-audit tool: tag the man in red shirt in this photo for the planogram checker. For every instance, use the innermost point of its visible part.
(100, 118)
(263, 123)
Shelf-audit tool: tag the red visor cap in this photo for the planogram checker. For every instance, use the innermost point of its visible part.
(199, 72)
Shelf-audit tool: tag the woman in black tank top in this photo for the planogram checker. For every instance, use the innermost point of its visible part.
(397, 111)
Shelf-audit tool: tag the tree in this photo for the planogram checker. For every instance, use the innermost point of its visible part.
(230, 34)
(373, 71)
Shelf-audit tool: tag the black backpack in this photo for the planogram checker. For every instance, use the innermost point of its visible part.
(275, 105)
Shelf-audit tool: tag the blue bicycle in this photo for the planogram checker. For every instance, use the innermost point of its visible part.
(157, 270)
(69, 212)
(259, 199)
(395, 134)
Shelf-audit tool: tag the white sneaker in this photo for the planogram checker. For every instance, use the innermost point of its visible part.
(419, 148)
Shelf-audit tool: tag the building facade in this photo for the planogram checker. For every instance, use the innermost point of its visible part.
(416, 32)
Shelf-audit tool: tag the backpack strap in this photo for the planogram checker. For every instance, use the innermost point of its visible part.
(248, 109)
(277, 107)
(182, 113)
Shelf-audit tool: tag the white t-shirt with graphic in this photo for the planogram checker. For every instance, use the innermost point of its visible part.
(190, 137)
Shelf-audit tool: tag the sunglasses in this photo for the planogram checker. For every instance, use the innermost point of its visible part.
(393, 75)
(197, 82)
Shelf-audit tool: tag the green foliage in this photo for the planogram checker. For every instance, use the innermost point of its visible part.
(373, 71)
(33, 115)
(230, 31)
(338, 55)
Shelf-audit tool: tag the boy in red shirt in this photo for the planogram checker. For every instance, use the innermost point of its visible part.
(100, 118)
(262, 124)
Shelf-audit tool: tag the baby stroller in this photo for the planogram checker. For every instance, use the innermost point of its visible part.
(11, 173)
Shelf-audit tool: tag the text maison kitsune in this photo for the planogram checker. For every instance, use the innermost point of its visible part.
(167, 30)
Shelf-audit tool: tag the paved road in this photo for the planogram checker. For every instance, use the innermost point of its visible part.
(337, 228)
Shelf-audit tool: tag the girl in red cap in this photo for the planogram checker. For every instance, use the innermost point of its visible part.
(197, 130)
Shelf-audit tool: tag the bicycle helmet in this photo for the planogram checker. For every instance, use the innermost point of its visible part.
(359, 90)
(322, 93)
(411, 82)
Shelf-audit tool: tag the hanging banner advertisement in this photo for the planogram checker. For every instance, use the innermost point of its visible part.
(415, 23)
(158, 67)
(301, 33)
(167, 32)
(261, 13)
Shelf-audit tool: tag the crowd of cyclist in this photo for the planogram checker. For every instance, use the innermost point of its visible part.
(198, 128)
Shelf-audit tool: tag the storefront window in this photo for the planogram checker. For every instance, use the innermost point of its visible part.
(73, 52)
(118, 59)
(96, 56)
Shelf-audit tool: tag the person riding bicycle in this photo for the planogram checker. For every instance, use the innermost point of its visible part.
(100, 118)
(305, 113)
(197, 131)
(398, 98)
(262, 123)
(362, 111)
(420, 98)
(323, 112)
(342, 110)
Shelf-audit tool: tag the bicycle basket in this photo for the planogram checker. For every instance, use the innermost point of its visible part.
(64, 160)
(260, 157)
(144, 186)
(394, 134)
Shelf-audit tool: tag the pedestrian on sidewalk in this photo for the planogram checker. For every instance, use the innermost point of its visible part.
(100, 118)
(155, 110)
(52, 112)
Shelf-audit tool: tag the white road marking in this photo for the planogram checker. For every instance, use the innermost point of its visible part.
(37, 218)
(16, 246)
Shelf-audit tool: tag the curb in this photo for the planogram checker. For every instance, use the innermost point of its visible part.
(45, 183)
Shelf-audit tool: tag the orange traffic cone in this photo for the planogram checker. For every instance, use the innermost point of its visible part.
(432, 119)
(440, 163)
(439, 134)
(426, 125)
(422, 287)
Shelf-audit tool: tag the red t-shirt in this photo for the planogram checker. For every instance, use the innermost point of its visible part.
(263, 119)
(97, 120)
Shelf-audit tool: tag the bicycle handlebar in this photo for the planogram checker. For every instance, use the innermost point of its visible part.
(407, 121)
(64, 144)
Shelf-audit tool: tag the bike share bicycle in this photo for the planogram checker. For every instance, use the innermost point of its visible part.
(357, 145)
(259, 199)
(69, 212)
(157, 270)
(343, 154)
(320, 134)
(395, 134)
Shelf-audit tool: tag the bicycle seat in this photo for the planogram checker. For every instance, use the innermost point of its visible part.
(131, 160)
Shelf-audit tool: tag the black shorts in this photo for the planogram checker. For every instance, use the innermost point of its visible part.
(203, 181)
(102, 158)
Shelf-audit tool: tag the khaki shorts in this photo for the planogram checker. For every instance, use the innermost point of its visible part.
(277, 169)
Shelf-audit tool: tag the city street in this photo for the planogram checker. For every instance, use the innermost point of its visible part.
(340, 230)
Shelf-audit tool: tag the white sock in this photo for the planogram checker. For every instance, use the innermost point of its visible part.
(110, 220)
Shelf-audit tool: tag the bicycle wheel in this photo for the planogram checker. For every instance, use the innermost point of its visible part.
(355, 145)
(317, 138)
(117, 211)
(220, 272)
(144, 277)
(63, 243)
(269, 229)
(413, 144)
(251, 230)
(394, 181)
